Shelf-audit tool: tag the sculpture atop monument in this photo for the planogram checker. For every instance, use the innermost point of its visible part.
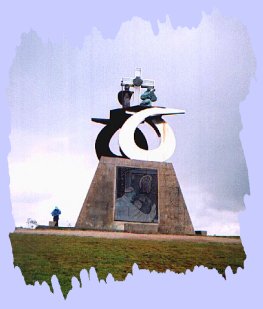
(136, 191)
(148, 97)
(132, 142)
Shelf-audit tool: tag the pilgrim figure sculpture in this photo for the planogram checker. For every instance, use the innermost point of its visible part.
(126, 120)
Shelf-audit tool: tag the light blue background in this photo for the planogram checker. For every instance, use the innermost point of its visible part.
(201, 289)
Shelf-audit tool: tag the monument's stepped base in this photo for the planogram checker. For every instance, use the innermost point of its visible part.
(98, 208)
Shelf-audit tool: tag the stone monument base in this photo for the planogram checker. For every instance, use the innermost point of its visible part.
(158, 194)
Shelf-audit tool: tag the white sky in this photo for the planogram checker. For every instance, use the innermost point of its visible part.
(55, 89)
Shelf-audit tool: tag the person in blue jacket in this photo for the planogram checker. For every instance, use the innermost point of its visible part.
(55, 213)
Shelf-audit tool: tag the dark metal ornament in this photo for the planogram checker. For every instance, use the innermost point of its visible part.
(116, 121)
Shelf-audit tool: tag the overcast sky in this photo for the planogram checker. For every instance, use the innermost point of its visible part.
(55, 89)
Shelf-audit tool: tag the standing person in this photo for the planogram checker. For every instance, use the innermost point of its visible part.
(55, 213)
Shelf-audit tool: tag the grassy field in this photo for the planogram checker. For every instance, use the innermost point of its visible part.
(41, 256)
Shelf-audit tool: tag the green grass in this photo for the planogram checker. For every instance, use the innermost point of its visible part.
(41, 256)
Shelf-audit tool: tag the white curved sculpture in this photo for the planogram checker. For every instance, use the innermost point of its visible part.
(167, 144)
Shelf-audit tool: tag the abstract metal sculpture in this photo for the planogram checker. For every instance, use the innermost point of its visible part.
(167, 144)
(132, 142)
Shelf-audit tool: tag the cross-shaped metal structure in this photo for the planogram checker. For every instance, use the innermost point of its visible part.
(137, 83)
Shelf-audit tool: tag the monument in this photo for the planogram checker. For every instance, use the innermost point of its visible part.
(136, 191)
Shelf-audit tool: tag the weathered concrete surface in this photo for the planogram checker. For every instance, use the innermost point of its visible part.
(98, 208)
(142, 228)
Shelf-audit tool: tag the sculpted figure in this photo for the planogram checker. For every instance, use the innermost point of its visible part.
(127, 209)
(148, 97)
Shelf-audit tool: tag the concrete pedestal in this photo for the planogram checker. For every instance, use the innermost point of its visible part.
(98, 210)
